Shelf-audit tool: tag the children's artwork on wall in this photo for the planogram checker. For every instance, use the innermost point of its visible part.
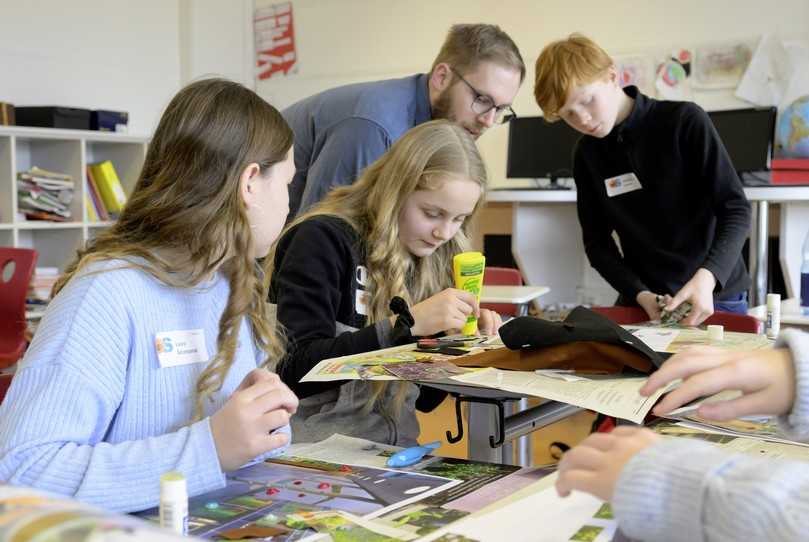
(720, 66)
(275, 40)
(635, 70)
(673, 75)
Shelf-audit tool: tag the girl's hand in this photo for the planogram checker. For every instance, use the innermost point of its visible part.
(444, 311)
(243, 428)
(489, 322)
(595, 465)
(766, 379)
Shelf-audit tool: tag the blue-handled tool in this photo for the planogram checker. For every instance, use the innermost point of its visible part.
(411, 456)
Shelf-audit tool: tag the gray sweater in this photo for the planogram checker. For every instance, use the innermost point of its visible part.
(687, 490)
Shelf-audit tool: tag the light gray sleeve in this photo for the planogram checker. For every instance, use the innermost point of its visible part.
(686, 490)
(796, 423)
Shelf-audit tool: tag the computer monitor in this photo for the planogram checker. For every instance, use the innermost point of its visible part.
(748, 135)
(539, 149)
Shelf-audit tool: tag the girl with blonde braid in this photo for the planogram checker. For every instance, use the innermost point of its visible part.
(150, 356)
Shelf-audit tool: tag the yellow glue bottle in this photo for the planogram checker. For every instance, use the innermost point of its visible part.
(467, 270)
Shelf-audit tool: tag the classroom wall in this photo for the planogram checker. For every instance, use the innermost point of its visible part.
(216, 39)
(91, 53)
(356, 40)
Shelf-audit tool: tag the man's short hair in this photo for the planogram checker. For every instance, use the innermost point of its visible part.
(563, 65)
(467, 45)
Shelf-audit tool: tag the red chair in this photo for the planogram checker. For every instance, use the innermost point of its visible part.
(502, 276)
(735, 322)
(16, 269)
(5, 382)
(622, 315)
(731, 321)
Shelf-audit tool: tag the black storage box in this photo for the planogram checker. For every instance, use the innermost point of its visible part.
(54, 117)
(109, 121)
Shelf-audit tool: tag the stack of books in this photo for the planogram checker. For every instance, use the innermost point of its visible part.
(44, 195)
(39, 290)
(105, 196)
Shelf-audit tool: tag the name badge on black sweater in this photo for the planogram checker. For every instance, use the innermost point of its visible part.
(622, 184)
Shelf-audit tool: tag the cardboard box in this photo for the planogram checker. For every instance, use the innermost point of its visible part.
(6, 114)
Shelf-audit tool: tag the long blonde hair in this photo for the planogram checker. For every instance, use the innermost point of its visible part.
(187, 201)
(421, 160)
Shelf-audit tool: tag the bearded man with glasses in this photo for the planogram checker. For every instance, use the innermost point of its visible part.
(338, 132)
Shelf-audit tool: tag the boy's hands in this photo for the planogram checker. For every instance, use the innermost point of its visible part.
(649, 302)
(699, 292)
(766, 379)
(595, 465)
(242, 428)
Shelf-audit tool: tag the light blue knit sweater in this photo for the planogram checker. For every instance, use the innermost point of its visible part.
(91, 413)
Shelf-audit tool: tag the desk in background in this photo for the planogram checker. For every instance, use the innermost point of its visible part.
(547, 246)
(517, 295)
(790, 313)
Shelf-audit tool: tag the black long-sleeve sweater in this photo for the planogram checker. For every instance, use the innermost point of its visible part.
(318, 288)
(691, 211)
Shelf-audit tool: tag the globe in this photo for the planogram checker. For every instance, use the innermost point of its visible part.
(793, 129)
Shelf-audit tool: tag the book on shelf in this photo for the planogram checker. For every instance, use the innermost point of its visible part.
(47, 179)
(44, 195)
(92, 216)
(95, 197)
(40, 287)
(109, 186)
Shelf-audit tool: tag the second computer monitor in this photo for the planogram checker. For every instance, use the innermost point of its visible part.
(539, 149)
(748, 136)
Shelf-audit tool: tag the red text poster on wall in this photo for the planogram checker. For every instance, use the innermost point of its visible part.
(275, 40)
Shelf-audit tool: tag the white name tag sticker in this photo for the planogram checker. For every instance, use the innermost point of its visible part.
(182, 347)
(361, 302)
(622, 184)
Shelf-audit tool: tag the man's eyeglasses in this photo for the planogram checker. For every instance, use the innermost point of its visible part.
(482, 104)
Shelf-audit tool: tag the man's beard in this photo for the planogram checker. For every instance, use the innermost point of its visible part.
(442, 107)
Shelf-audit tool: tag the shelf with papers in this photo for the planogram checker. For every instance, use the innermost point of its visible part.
(67, 152)
(45, 225)
(101, 224)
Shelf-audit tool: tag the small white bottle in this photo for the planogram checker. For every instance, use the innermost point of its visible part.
(773, 315)
(174, 502)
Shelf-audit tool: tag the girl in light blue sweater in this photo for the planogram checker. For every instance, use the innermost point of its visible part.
(686, 490)
(149, 357)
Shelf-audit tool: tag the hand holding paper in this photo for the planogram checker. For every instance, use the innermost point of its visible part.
(766, 379)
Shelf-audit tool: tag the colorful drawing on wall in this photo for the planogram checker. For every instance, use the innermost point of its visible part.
(634, 70)
(672, 80)
(721, 66)
(275, 40)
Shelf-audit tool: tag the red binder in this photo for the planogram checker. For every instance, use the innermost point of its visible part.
(790, 171)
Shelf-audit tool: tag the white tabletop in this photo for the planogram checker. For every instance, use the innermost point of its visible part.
(790, 312)
(511, 294)
(762, 193)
